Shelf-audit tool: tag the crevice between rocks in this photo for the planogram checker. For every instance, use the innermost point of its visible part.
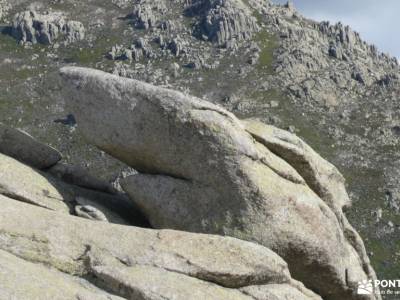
(22, 199)
(278, 154)
(348, 231)
(276, 171)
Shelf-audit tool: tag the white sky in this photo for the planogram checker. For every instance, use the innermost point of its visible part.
(378, 21)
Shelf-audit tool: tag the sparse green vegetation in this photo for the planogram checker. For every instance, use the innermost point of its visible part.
(268, 43)
(87, 56)
(9, 45)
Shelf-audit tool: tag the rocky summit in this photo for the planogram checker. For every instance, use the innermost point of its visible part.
(194, 149)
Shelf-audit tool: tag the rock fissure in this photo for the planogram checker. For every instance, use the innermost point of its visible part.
(16, 197)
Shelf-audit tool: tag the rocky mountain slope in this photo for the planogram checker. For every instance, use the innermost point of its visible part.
(321, 82)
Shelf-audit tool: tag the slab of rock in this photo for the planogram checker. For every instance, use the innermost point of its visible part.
(21, 146)
(23, 183)
(79, 176)
(137, 263)
(206, 173)
(21, 279)
(33, 27)
(278, 291)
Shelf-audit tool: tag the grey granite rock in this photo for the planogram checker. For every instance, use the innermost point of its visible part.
(23, 279)
(79, 176)
(21, 146)
(33, 27)
(201, 171)
(23, 183)
(146, 13)
(133, 263)
(222, 21)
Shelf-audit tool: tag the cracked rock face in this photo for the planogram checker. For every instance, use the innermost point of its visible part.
(317, 61)
(76, 258)
(30, 26)
(146, 14)
(203, 170)
(222, 21)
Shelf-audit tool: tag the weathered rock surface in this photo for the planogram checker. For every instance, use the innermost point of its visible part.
(23, 147)
(324, 179)
(319, 174)
(23, 183)
(21, 279)
(206, 173)
(30, 26)
(130, 262)
(277, 291)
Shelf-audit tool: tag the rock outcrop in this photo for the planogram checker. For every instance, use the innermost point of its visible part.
(135, 52)
(4, 7)
(33, 27)
(202, 171)
(76, 259)
(146, 14)
(316, 61)
(222, 21)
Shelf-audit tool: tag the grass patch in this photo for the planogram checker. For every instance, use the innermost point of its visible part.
(385, 259)
(9, 45)
(90, 55)
(268, 43)
(86, 56)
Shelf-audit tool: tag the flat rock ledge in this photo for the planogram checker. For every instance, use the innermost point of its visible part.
(79, 259)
